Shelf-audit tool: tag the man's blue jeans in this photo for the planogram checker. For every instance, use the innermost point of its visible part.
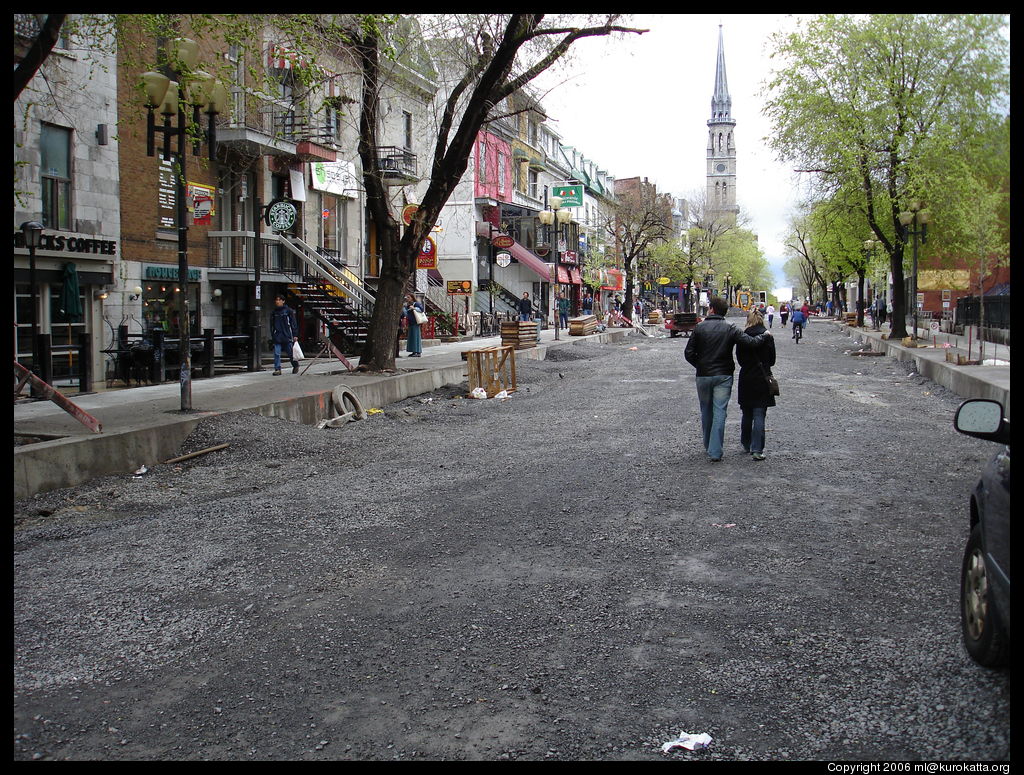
(713, 395)
(287, 350)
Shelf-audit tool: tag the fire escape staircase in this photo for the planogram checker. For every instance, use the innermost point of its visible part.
(333, 294)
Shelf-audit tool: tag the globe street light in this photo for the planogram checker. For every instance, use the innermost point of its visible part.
(199, 90)
(919, 218)
(548, 217)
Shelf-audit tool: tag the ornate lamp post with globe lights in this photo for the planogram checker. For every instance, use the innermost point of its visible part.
(918, 217)
(548, 217)
(201, 92)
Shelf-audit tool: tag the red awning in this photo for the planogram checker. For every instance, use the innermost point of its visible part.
(519, 253)
(563, 275)
(575, 275)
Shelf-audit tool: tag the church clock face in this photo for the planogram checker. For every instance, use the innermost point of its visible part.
(720, 168)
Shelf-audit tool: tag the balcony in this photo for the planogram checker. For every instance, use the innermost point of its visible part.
(397, 165)
(268, 128)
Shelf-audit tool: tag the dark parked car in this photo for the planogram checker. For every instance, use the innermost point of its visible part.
(985, 573)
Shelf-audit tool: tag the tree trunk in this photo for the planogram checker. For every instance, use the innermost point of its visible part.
(898, 318)
(860, 298)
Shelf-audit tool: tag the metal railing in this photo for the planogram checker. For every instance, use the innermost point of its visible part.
(395, 160)
(275, 120)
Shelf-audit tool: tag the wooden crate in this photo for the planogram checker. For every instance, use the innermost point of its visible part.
(492, 368)
(583, 325)
(519, 334)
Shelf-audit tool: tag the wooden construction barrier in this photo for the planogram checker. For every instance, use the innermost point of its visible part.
(492, 368)
(585, 325)
(520, 334)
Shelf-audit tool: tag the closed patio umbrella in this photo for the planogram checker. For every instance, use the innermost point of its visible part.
(70, 302)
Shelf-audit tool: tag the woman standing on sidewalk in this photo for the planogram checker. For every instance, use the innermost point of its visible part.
(414, 340)
(752, 392)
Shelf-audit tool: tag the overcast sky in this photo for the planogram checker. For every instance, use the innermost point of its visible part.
(639, 105)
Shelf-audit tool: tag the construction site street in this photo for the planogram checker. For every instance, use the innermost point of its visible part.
(562, 575)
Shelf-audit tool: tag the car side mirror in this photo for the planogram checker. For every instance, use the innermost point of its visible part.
(982, 418)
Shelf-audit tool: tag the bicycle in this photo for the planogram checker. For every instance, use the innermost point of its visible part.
(798, 331)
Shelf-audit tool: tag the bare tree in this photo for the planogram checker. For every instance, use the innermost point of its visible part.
(642, 218)
(509, 51)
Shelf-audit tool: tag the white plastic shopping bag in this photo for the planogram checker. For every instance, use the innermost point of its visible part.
(297, 352)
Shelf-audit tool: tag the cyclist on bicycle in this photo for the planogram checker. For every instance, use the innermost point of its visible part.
(798, 321)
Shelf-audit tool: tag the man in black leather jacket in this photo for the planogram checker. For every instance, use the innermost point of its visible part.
(710, 351)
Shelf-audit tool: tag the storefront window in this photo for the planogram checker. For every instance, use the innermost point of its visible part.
(64, 336)
(160, 307)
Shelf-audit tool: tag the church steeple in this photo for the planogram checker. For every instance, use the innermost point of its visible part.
(721, 179)
(721, 102)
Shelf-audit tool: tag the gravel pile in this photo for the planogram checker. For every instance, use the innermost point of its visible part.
(560, 575)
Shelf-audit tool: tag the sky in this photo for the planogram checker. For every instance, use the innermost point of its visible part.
(638, 105)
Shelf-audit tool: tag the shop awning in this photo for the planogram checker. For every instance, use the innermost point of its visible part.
(563, 275)
(574, 277)
(519, 253)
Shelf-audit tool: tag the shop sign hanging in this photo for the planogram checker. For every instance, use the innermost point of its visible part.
(427, 258)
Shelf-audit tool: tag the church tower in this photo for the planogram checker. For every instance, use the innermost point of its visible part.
(721, 192)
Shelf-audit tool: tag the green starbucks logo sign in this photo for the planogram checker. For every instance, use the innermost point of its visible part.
(281, 214)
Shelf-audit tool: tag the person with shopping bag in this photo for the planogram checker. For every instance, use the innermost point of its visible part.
(284, 329)
(414, 318)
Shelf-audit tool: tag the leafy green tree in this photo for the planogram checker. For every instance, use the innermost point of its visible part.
(860, 104)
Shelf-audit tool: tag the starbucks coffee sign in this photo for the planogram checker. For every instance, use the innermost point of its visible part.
(281, 214)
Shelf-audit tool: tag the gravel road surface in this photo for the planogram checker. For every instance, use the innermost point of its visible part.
(562, 575)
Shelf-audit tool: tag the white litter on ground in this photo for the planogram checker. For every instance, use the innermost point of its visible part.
(688, 741)
(994, 362)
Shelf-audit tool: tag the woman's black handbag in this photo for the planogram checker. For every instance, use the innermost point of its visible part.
(773, 384)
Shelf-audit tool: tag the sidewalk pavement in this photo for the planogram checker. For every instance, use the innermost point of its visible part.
(145, 425)
(981, 381)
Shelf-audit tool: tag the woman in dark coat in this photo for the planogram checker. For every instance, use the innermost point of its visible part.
(752, 393)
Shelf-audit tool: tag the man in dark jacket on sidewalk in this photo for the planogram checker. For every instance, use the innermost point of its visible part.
(284, 330)
(710, 351)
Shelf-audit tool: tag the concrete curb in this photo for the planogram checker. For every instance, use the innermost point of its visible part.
(968, 381)
(66, 462)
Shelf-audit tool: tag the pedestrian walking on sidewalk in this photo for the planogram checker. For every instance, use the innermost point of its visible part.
(770, 314)
(710, 351)
(563, 311)
(783, 313)
(284, 330)
(752, 391)
(525, 307)
(880, 307)
(413, 337)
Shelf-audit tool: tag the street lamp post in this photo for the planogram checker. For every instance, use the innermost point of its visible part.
(548, 217)
(203, 93)
(33, 233)
(728, 288)
(918, 217)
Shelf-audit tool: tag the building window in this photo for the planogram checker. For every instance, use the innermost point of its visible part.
(334, 232)
(55, 172)
(500, 172)
(407, 123)
(482, 166)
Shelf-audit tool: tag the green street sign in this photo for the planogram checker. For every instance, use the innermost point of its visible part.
(572, 196)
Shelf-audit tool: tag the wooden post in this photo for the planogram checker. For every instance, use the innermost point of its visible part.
(85, 363)
(209, 342)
